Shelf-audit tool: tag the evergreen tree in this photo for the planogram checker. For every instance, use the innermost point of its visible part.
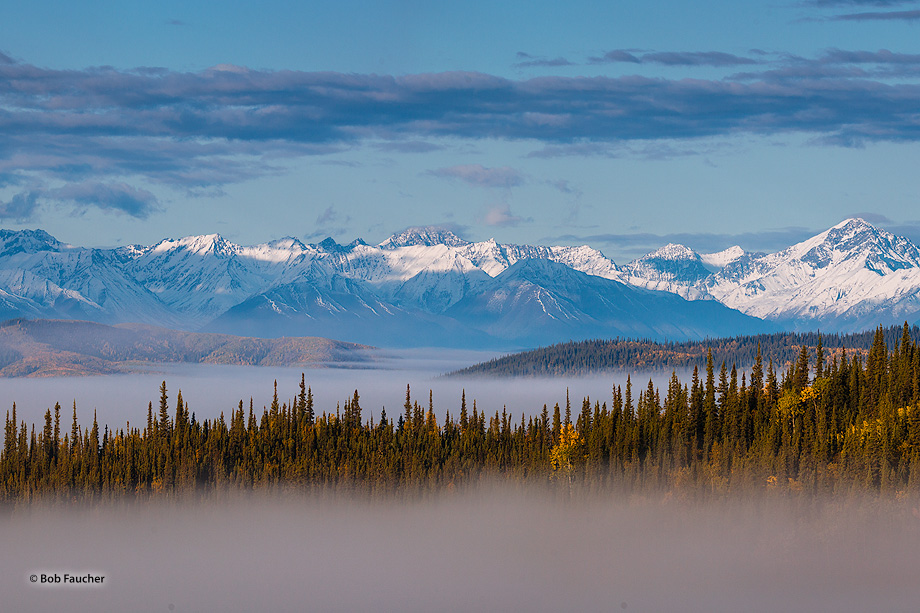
(463, 415)
(164, 410)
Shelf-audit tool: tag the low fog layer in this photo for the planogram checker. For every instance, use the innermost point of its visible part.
(482, 551)
(210, 389)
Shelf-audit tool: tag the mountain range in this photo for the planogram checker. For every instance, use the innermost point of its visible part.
(429, 287)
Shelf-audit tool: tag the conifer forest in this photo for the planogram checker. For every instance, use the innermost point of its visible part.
(828, 422)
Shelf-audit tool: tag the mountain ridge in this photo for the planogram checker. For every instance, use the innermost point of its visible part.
(410, 285)
(45, 348)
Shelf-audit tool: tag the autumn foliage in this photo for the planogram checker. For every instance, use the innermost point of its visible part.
(847, 424)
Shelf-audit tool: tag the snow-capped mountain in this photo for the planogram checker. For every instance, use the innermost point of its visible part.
(680, 270)
(200, 277)
(851, 276)
(57, 280)
(428, 286)
(672, 268)
(400, 287)
(540, 301)
(432, 269)
(718, 261)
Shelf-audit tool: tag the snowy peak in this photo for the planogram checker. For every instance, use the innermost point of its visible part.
(426, 236)
(852, 227)
(849, 276)
(674, 268)
(858, 241)
(853, 244)
(673, 252)
(27, 241)
(279, 251)
(329, 245)
(288, 243)
(205, 244)
(721, 259)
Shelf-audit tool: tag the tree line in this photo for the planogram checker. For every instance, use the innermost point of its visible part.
(827, 423)
(598, 355)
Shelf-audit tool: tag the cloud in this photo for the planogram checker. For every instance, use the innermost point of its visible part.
(118, 197)
(837, 64)
(191, 165)
(708, 58)
(218, 115)
(174, 22)
(645, 150)
(674, 58)
(840, 3)
(412, 146)
(501, 215)
(912, 15)
(199, 131)
(22, 207)
(330, 216)
(5, 59)
(882, 56)
(873, 218)
(564, 186)
(221, 114)
(580, 149)
(529, 61)
(327, 216)
(480, 176)
(343, 163)
(330, 222)
(108, 197)
(617, 55)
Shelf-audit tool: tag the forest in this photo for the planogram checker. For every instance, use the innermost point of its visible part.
(592, 356)
(829, 422)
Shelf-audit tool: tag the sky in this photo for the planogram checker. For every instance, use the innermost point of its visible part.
(623, 126)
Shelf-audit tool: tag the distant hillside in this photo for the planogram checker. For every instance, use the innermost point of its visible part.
(585, 357)
(49, 347)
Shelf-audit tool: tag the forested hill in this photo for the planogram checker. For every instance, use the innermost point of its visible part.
(50, 347)
(585, 357)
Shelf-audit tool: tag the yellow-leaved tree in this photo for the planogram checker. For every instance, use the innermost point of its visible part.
(566, 453)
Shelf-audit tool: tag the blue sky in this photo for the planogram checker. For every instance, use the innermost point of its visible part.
(623, 127)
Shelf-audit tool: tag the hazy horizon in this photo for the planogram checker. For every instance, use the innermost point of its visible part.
(482, 548)
(211, 389)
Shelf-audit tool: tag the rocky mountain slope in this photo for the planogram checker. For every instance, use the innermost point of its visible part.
(847, 278)
(427, 286)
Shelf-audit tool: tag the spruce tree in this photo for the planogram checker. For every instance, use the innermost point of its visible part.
(164, 410)
(463, 415)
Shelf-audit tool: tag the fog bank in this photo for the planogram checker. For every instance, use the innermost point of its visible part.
(211, 389)
(485, 550)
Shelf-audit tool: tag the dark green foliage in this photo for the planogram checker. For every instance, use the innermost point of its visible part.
(824, 425)
(582, 357)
